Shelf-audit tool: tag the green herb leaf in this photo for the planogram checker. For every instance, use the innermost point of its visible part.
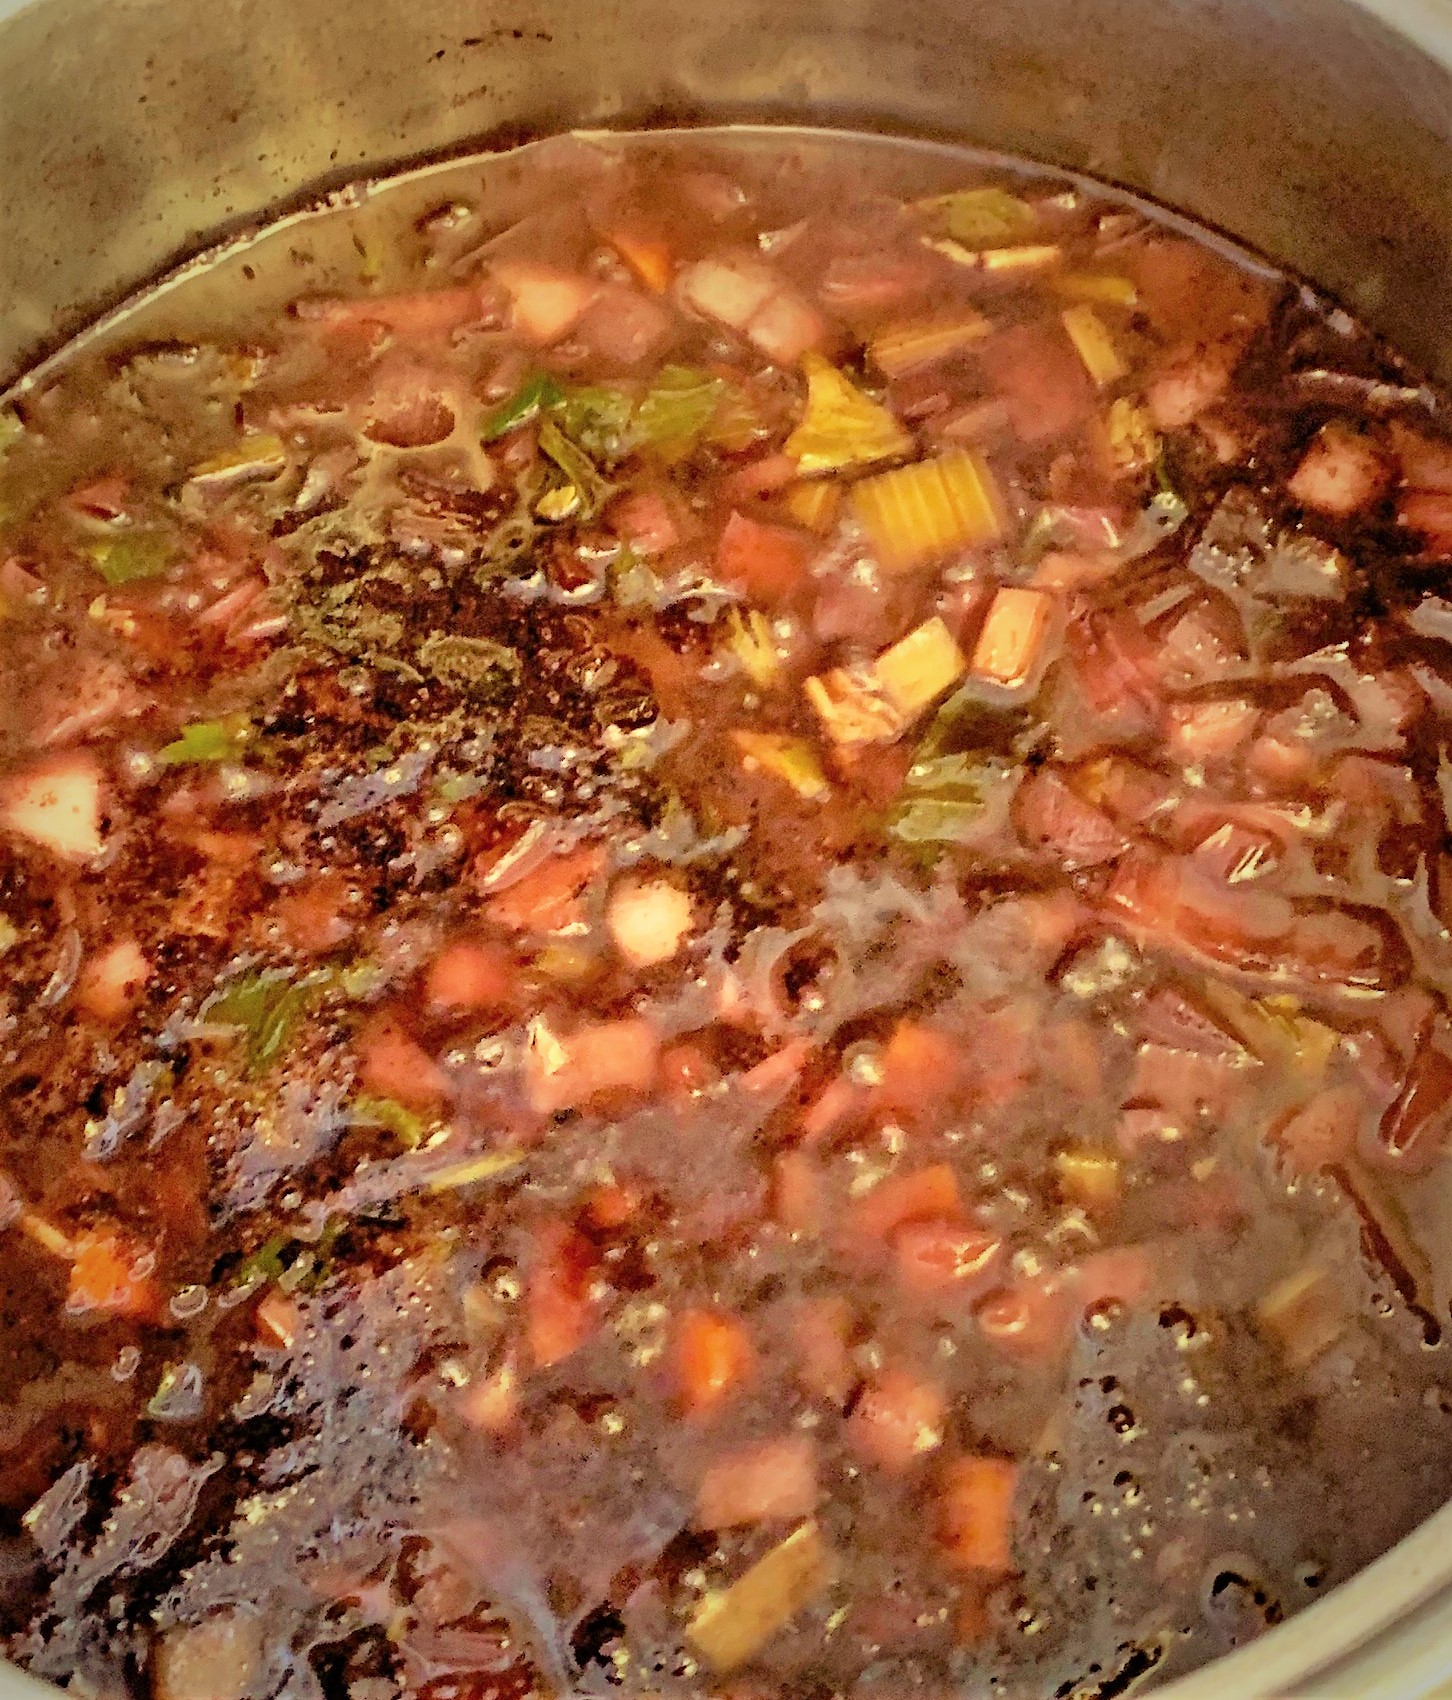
(208, 740)
(268, 1008)
(597, 417)
(536, 394)
(675, 412)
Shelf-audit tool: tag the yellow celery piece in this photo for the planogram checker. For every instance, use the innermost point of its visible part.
(1099, 289)
(1034, 257)
(790, 759)
(734, 1623)
(902, 347)
(1274, 1030)
(918, 669)
(815, 503)
(261, 456)
(749, 638)
(1095, 346)
(841, 427)
(1133, 441)
(916, 513)
(982, 218)
(1091, 1178)
(853, 709)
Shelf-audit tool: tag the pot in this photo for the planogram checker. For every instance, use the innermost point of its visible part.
(133, 132)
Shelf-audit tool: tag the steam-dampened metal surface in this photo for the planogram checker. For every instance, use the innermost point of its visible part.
(130, 129)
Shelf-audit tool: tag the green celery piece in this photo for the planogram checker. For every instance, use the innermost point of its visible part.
(597, 417)
(942, 802)
(538, 393)
(207, 740)
(268, 1008)
(130, 556)
(391, 1116)
(677, 409)
(985, 218)
(577, 467)
(471, 1170)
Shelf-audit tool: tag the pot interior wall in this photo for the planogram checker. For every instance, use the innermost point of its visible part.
(130, 130)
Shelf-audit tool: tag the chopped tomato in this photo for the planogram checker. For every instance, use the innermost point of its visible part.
(609, 1056)
(975, 1507)
(468, 976)
(647, 522)
(772, 1481)
(105, 1278)
(822, 1330)
(560, 1314)
(925, 1195)
(766, 561)
(314, 916)
(394, 1065)
(919, 1066)
(1041, 379)
(945, 1257)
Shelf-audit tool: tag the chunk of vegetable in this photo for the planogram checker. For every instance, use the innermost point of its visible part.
(750, 639)
(1342, 472)
(208, 741)
(919, 513)
(649, 920)
(649, 257)
(917, 669)
(1095, 346)
(220, 1658)
(393, 1065)
(607, 1056)
(468, 976)
(1134, 444)
(559, 1314)
(982, 218)
(132, 555)
(1101, 289)
(1088, 1177)
(1012, 636)
(547, 302)
(774, 1480)
(787, 758)
(928, 1194)
(1274, 1029)
(815, 503)
(56, 804)
(676, 411)
(737, 1622)
(112, 984)
(766, 561)
(841, 426)
(105, 1277)
(945, 1257)
(898, 1420)
(711, 1357)
(903, 348)
(975, 1509)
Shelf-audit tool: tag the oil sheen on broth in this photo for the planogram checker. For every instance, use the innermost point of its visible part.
(724, 971)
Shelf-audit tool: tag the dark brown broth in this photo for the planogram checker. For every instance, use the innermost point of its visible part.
(403, 1273)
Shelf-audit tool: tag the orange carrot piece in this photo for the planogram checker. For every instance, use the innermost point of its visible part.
(559, 1314)
(976, 1512)
(772, 1481)
(609, 1056)
(898, 1420)
(104, 1278)
(926, 1195)
(647, 256)
(712, 1357)
(1012, 635)
(550, 897)
(278, 1320)
(467, 976)
(394, 1066)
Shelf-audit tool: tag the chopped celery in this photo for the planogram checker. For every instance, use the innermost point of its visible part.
(1020, 259)
(597, 417)
(1133, 441)
(737, 423)
(561, 503)
(1274, 1030)
(258, 457)
(1094, 345)
(853, 708)
(732, 1624)
(207, 740)
(749, 638)
(791, 759)
(676, 411)
(268, 1008)
(841, 426)
(815, 503)
(1011, 639)
(578, 468)
(945, 799)
(131, 555)
(902, 348)
(1088, 1177)
(983, 218)
(535, 395)
(1303, 1315)
(1102, 289)
(917, 513)
(919, 668)
(471, 1170)
(392, 1117)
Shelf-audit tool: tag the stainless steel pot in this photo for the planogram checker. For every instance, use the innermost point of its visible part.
(1318, 131)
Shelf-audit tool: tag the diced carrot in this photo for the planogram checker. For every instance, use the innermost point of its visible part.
(110, 985)
(1029, 1318)
(491, 1403)
(610, 1206)
(645, 519)
(1428, 512)
(766, 561)
(393, 1065)
(104, 1278)
(559, 1313)
(649, 257)
(776, 1072)
(312, 916)
(1123, 1273)
(772, 1481)
(549, 898)
(711, 1357)
(686, 1069)
(897, 1420)
(649, 920)
(468, 976)
(976, 1512)
(926, 1195)
(1012, 636)
(278, 1319)
(56, 804)
(833, 1104)
(822, 1329)
(1342, 472)
(919, 1065)
(548, 302)
(608, 1056)
(943, 1257)
(797, 1198)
